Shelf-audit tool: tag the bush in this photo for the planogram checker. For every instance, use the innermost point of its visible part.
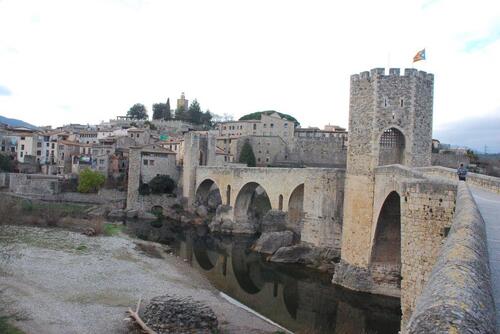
(90, 181)
(246, 155)
(144, 189)
(162, 184)
(6, 163)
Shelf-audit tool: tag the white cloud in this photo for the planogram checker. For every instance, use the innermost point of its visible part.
(87, 61)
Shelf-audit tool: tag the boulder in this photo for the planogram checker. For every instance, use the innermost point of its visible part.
(201, 211)
(116, 214)
(146, 216)
(213, 200)
(132, 213)
(273, 220)
(302, 254)
(270, 242)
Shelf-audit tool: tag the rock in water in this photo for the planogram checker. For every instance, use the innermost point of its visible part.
(270, 242)
(171, 314)
(294, 254)
(273, 221)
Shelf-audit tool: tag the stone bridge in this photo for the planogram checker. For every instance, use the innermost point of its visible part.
(311, 197)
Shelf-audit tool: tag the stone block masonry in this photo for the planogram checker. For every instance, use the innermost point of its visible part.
(457, 297)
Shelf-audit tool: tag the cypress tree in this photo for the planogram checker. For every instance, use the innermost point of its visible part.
(246, 155)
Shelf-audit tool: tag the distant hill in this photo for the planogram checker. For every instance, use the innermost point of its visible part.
(16, 123)
(258, 114)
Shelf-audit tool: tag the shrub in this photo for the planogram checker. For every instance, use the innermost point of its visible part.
(246, 155)
(144, 189)
(162, 184)
(6, 163)
(90, 181)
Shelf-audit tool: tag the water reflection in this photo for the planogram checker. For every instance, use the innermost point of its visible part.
(298, 299)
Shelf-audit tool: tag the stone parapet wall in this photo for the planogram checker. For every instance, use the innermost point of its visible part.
(4, 180)
(478, 180)
(146, 203)
(457, 297)
(111, 197)
(34, 184)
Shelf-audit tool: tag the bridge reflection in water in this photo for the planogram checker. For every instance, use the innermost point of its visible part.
(298, 299)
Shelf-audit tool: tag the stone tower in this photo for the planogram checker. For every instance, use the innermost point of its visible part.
(390, 122)
(182, 103)
(199, 150)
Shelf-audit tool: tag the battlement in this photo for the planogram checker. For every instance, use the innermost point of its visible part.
(376, 73)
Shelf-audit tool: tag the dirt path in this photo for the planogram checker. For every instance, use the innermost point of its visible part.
(64, 282)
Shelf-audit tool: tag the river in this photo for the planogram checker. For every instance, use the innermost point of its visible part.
(299, 299)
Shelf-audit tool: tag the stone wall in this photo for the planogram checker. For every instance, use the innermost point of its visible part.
(4, 180)
(318, 152)
(457, 297)
(477, 180)
(34, 184)
(449, 159)
(146, 203)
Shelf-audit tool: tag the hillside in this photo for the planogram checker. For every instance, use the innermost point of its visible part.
(257, 115)
(16, 122)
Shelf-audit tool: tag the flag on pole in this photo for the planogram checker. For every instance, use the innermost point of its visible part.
(419, 56)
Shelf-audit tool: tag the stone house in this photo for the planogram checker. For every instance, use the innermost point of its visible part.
(155, 160)
(271, 124)
(140, 136)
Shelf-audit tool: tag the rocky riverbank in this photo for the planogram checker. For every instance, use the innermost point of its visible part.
(66, 282)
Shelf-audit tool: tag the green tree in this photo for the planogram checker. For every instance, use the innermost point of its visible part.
(6, 163)
(180, 114)
(138, 111)
(162, 184)
(194, 113)
(168, 114)
(257, 115)
(150, 125)
(206, 119)
(473, 158)
(161, 111)
(90, 181)
(246, 155)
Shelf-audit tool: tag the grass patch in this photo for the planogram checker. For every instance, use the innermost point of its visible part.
(112, 229)
(81, 248)
(7, 328)
(62, 209)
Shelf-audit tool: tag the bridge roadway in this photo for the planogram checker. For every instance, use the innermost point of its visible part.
(489, 206)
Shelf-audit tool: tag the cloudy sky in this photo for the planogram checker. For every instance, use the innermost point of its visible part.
(88, 61)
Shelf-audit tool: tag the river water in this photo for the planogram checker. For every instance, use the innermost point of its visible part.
(299, 299)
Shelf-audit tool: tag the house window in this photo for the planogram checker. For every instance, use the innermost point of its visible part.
(285, 125)
(131, 135)
(38, 152)
(267, 159)
(38, 144)
(265, 125)
(137, 135)
(23, 138)
(255, 126)
(101, 161)
(151, 162)
(145, 162)
(272, 125)
(21, 154)
(22, 147)
(401, 103)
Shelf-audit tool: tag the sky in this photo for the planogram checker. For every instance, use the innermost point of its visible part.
(89, 61)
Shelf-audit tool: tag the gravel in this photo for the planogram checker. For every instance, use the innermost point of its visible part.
(65, 282)
(174, 315)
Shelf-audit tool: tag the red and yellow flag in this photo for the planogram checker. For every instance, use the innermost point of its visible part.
(419, 56)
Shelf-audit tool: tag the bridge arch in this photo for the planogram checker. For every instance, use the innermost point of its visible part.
(208, 194)
(391, 147)
(386, 249)
(296, 207)
(252, 203)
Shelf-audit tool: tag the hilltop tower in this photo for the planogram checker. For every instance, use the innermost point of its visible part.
(390, 122)
(182, 103)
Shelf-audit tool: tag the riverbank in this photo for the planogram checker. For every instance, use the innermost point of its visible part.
(65, 282)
